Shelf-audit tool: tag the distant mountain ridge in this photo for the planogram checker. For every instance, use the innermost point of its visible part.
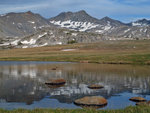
(141, 22)
(27, 29)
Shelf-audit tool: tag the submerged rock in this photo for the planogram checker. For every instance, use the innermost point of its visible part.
(56, 82)
(94, 102)
(54, 68)
(137, 99)
(95, 86)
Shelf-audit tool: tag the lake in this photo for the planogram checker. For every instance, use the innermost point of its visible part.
(22, 84)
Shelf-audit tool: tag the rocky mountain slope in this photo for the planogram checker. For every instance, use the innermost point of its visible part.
(23, 30)
(53, 36)
(21, 24)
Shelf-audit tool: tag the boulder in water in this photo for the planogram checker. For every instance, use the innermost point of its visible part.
(137, 99)
(93, 101)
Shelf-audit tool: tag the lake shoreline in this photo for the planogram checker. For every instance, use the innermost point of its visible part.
(85, 62)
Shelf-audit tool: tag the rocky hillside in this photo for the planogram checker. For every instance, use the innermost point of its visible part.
(52, 36)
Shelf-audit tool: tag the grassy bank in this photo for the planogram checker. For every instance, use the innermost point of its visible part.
(126, 110)
(111, 52)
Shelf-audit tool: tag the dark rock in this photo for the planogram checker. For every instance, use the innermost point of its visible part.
(56, 82)
(54, 68)
(95, 86)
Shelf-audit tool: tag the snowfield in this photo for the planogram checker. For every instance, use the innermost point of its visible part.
(81, 26)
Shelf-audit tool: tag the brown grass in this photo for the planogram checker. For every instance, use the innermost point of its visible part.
(115, 52)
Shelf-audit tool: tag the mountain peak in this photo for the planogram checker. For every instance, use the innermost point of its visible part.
(80, 16)
(143, 20)
(109, 21)
(106, 18)
(29, 12)
(82, 12)
(65, 13)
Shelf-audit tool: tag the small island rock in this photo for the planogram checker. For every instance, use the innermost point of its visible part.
(137, 99)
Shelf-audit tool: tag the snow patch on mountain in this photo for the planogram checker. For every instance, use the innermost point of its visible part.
(136, 24)
(58, 43)
(34, 27)
(139, 24)
(104, 29)
(75, 25)
(126, 30)
(42, 35)
(145, 30)
(32, 22)
(3, 14)
(74, 34)
(5, 44)
(15, 42)
(30, 42)
(99, 31)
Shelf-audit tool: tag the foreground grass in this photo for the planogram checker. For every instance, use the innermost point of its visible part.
(143, 109)
(111, 52)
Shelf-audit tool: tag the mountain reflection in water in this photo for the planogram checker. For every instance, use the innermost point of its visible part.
(24, 83)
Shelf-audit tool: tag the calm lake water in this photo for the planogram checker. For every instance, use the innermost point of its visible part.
(22, 84)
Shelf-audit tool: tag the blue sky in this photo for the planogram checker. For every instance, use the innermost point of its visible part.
(123, 10)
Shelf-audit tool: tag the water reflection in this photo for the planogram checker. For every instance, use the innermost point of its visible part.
(25, 82)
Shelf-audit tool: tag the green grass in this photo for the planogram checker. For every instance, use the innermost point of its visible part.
(143, 109)
(108, 52)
